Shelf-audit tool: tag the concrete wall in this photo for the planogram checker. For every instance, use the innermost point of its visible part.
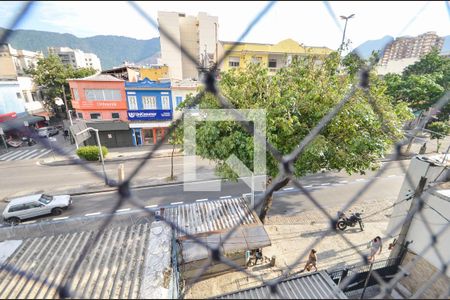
(170, 54)
(396, 66)
(419, 273)
(189, 39)
(27, 88)
(8, 97)
(417, 168)
(157, 266)
(430, 220)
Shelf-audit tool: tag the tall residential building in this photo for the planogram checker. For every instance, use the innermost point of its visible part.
(198, 35)
(411, 47)
(14, 62)
(76, 57)
(272, 56)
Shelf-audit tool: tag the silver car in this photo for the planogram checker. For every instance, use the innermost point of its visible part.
(47, 131)
(22, 208)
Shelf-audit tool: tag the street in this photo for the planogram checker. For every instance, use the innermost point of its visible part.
(330, 189)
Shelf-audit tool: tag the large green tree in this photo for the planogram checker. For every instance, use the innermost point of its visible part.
(296, 98)
(422, 83)
(51, 75)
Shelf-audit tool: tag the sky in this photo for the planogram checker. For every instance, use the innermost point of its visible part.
(307, 22)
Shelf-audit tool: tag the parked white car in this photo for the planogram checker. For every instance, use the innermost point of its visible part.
(22, 208)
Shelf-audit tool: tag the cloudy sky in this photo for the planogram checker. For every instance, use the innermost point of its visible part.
(309, 23)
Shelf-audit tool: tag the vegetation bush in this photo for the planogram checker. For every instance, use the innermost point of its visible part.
(91, 153)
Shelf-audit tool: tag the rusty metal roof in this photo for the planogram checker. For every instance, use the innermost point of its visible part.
(210, 216)
(312, 286)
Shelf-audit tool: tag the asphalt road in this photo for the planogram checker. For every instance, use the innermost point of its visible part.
(330, 189)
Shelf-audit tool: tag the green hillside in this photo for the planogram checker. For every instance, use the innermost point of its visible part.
(112, 50)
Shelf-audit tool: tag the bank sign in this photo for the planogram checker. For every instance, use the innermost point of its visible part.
(149, 115)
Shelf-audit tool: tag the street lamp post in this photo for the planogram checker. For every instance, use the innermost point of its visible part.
(345, 27)
(99, 148)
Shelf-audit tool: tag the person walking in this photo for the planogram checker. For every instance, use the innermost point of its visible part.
(375, 245)
(312, 261)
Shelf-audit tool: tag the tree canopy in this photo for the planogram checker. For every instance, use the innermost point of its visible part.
(422, 83)
(51, 75)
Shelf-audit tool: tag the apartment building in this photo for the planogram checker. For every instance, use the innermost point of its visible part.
(411, 47)
(76, 57)
(274, 56)
(14, 63)
(196, 34)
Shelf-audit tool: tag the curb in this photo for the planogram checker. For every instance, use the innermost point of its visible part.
(79, 161)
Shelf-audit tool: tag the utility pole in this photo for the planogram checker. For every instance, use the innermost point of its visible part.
(407, 223)
(345, 28)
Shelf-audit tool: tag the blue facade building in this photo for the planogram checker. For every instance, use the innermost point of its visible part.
(9, 101)
(150, 110)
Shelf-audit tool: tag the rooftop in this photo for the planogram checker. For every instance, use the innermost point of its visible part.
(98, 77)
(312, 286)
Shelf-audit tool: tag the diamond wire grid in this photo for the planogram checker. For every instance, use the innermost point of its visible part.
(285, 162)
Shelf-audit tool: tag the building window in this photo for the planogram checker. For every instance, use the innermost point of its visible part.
(34, 96)
(233, 61)
(179, 100)
(272, 63)
(76, 96)
(25, 95)
(115, 115)
(256, 59)
(102, 95)
(132, 103)
(165, 102)
(19, 95)
(80, 115)
(149, 102)
(96, 116)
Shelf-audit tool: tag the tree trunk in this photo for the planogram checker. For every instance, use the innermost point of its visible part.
(438, 145)
(267, 202)
(171, 163)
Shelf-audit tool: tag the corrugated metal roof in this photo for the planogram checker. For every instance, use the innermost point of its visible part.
(312, 286)
(210, 216)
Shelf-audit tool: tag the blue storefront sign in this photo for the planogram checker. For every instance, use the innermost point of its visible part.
(149, 115)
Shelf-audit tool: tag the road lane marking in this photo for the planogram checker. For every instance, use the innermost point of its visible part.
(326, 183)
(201, 200)
(125, 209)
(307, 186)
(225, 197)
(343, 181)
(29, 222)
(288, 189)
(361, 179)
(61, 218)
(390, 176)
(150, 206)
(93, 214)
(174, 203)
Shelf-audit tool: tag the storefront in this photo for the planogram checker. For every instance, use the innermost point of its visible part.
(149, 133)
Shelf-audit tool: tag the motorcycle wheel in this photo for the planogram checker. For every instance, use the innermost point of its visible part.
(361, 225)
(341, 225)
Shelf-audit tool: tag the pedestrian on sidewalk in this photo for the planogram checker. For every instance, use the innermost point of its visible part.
(312, 261)
(374, 246)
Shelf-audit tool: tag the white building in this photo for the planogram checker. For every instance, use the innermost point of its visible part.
(198, 35)
(428, 233)
(76, 57)
(396, 66)
(14, 63)
(180, 90)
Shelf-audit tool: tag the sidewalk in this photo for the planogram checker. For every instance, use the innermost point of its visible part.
(295, 235)
(114, 155)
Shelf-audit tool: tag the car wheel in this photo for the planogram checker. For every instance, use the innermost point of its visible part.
(14, 221)
(57, 211)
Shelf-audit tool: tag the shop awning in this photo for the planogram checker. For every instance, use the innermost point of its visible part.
(18, 123)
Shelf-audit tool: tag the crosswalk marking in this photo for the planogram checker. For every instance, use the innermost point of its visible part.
(24, 154)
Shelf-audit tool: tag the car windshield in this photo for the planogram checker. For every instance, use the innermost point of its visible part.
(46, 199)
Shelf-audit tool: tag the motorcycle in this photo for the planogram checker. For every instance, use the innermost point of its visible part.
(351, 221)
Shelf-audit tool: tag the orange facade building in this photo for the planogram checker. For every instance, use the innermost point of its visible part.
(99, 97)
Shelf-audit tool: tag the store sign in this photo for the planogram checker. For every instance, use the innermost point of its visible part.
(149, 115)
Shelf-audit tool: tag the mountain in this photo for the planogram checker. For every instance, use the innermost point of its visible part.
(112, 50)
(366, 48)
